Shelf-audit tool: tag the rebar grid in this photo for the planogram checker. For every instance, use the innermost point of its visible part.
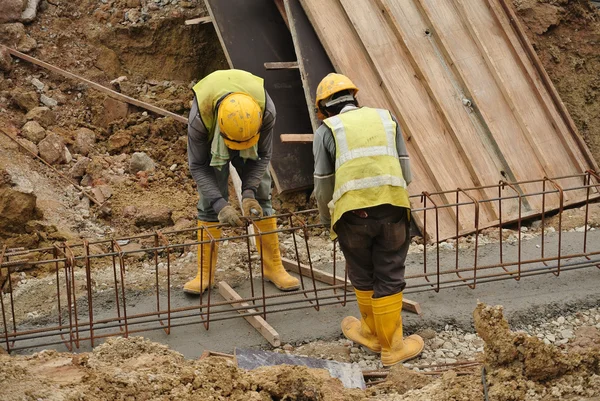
(73, 323)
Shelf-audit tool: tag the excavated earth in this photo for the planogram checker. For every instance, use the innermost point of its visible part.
(517, 367)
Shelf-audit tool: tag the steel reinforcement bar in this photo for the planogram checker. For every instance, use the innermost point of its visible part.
(79, 313)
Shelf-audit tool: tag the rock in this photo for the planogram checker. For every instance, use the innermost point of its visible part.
(140, 161)
(32, 147)
(427, 334)
(11, 10)
(33, 131)
(129, 211)
(27, 44)
(30, 11)
(157, 216)
(560, 320)
(26, 100)
(119, 140)
(133, 247)
(39, 85)
(52, 149)
(5, 60)
(566, 334)
(48, 101)
(42, 115)
(536, 224)
(551, 337)
(86, 181)
(97, 193)
(17, 207)
(288, 347)
(114, 110)
(84, 141)
(78, 169)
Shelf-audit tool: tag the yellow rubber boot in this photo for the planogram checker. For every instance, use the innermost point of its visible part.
(362, 331)
(388, 325)
(273, 268)
(207, 260)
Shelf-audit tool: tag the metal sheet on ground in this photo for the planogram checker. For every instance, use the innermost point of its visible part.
(349, 374)
(253, 33)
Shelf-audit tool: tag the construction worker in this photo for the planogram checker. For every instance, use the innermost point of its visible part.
(361, 174)
(231, 120)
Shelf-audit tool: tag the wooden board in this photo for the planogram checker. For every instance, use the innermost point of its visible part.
(347, 55)
(253, 33)
(474, 103)
(260, 324)
(312, 59)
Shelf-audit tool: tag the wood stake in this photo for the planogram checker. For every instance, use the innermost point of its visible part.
(260, 324)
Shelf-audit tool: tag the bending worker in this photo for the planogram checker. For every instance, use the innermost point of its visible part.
(361, 173)
(231, 120)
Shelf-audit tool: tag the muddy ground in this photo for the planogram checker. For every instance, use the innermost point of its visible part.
(131, 46)
(517, 367)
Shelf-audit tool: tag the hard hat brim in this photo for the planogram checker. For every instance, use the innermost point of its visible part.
(242, 145)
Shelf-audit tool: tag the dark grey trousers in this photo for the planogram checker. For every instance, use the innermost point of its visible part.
(375, 248)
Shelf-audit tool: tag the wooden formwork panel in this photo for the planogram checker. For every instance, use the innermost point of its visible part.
(470, 96)
(253, 33)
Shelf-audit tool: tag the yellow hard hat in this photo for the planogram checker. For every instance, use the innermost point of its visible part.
(240, 119)
(330, 85)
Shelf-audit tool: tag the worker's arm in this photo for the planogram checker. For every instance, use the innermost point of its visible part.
(199, 160)
(255, 169)
(324, 175)
(402, 153)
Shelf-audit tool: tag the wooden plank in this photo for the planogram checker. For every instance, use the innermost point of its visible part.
(282, 11)
(253, 33)
(264, 328)
(547, 82)
(196, 21)
(297, 138)
(98, 87)
(447, 97)
(281, 65)
(312, 59)
(445, 23)
(515, 84)
(328, 278)
(411, 103)
(348, 57)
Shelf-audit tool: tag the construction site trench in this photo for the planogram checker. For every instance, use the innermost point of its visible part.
(101, 238)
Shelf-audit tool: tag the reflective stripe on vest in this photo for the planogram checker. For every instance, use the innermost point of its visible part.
(218, 84)
(367, 168)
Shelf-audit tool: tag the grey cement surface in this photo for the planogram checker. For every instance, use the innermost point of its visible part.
(526, 301)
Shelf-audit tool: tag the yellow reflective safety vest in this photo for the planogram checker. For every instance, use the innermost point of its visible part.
(220, 83)
(367, 169)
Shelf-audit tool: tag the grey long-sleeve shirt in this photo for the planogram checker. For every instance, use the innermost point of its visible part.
(199, 156)
(324, 152)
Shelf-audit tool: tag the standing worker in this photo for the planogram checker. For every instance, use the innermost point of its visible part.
(361, 174)
(231, 120)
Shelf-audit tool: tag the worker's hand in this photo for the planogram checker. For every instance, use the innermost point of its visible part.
(228, 215)
(251, 208)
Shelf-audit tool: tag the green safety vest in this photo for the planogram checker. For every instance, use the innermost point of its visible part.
(367, 169)
(218, 84)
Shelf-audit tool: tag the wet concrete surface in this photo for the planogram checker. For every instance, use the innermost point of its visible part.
(525, 301)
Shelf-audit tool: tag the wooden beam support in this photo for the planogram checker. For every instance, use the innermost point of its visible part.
(328, 278)
(260, 324)
(98, 87)
(196, 21)
(297, 138)
(281, 65)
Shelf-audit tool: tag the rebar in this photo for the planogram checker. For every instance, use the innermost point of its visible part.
(74, 324)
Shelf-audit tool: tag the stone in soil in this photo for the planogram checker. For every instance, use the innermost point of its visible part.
(53, 150)
(140, 161)
(84, 141)
(26, 100)
(11, 10)
(157, 216)
(42, 115)
(5, 60)
(33, 131)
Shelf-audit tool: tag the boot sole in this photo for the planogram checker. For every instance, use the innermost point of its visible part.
(401, 360)
(191, 292)
(285, 289)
